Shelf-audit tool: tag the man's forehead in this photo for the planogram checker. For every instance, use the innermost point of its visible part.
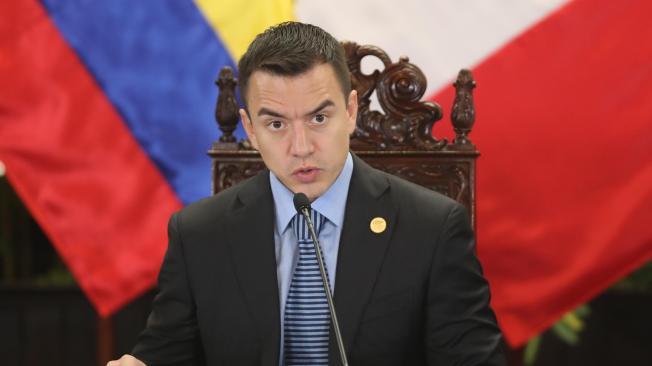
(306, 90)
(322, 74)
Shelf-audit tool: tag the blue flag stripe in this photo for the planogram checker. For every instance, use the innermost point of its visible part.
(156, 61)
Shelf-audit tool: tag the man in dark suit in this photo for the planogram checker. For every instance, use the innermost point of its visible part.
(407, 285)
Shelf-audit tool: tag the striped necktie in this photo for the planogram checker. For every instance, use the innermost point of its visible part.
(307, 318)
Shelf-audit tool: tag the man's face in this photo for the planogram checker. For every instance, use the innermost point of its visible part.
(301, 126)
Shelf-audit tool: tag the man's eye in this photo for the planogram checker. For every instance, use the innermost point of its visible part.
(275, 125)
(319, 118)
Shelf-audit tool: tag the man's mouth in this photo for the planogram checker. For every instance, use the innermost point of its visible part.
(306, 174)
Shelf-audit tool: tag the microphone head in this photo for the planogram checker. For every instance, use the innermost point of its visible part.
(301, 201)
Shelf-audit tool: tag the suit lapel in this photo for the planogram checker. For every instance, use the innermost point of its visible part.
(251, 240)
(361, 251)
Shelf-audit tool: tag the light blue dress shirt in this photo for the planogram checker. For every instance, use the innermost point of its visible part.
(331, 204)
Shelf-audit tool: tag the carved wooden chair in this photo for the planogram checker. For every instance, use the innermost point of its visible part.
(397, 140)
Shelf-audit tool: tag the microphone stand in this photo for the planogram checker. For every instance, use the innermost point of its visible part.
(327, 288)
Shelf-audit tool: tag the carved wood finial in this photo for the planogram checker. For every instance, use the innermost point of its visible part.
(463, 113)
(226, 110)
(407, 122)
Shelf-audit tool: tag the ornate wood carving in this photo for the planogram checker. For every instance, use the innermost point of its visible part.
(229, 174)
(226, 108)
(398, 139)
(446, 178)
(463, 114)
(407, 121)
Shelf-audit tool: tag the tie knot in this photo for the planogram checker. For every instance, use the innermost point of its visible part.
(300, 226)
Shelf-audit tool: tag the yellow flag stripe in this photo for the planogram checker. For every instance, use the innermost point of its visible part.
(237, 22)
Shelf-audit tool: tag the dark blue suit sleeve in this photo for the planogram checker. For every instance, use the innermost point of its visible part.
(461, 327)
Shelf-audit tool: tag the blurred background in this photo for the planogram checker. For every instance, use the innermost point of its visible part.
(106, 114)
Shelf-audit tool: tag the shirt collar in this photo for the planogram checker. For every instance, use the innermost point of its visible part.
(331, 204)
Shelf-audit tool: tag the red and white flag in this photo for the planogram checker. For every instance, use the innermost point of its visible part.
(564, 114)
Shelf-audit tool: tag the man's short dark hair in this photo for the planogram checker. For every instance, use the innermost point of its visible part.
(290, 49)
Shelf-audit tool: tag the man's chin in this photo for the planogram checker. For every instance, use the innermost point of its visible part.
(313, 191)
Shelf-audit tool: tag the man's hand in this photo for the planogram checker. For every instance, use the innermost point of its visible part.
(126, 360)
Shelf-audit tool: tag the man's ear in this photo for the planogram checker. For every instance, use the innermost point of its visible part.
(352, 110)
(248, 127)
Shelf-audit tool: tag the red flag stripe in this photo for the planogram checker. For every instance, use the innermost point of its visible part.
(565, 177)
(91, 173)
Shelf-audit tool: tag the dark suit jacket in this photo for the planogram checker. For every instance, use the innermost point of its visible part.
(411, 295)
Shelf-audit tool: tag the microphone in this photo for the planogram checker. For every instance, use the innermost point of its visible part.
(302, 205)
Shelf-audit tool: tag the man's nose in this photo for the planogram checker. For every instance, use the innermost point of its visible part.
(301, 143)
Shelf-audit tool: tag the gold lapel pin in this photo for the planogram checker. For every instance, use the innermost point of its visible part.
(378, 225)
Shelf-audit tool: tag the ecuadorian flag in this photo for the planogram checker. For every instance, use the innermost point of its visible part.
(106, 114)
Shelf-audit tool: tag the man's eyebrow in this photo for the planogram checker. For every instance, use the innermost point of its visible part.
(269, 112)
(324, 104)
